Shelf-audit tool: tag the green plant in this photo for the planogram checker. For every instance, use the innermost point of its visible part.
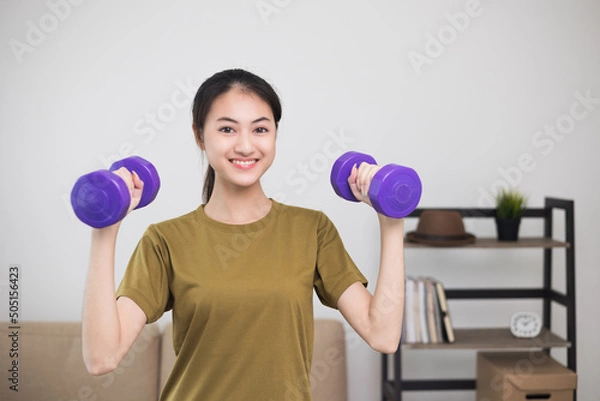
(510, 204)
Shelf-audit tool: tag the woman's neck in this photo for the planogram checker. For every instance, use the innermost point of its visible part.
(238, 207)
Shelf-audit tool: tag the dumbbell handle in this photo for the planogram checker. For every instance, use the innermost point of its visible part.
(147, 173)
(340, 172)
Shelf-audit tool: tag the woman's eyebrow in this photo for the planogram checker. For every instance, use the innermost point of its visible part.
(260, 119)
(231, 120)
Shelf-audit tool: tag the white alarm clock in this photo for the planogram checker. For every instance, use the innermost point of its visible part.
(525, 325)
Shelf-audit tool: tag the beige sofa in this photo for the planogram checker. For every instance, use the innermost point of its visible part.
(44, 361)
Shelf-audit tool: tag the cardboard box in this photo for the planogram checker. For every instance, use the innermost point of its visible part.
(521, 376)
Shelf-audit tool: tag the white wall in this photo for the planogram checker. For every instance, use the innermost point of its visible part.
(82, 80)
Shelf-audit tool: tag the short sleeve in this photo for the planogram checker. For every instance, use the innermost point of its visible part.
(335, 270)
(146, 279)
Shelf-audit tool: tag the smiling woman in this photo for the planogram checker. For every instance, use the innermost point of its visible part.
(226, 101)
(239, 272)
(240, 148)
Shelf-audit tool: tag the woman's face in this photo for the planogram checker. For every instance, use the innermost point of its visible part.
(239, 138)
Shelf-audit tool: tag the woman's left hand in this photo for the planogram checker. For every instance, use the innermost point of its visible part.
(360, 181)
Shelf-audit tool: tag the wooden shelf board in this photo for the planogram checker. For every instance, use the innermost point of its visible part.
(526, 242)
(494, 338)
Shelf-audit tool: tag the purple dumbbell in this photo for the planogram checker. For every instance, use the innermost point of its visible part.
(101, 198)
(395, 190)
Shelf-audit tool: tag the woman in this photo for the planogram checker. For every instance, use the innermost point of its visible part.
(238, 272)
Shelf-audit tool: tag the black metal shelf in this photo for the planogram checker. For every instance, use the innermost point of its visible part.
(484, 338)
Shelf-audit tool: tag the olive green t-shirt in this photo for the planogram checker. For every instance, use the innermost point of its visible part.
(241, 297)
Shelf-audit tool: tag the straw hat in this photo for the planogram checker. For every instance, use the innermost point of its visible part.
(440, 228)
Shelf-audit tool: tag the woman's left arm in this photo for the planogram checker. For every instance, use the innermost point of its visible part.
(377, 317)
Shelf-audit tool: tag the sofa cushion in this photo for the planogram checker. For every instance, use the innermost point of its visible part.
(49, 365)
(328, 375)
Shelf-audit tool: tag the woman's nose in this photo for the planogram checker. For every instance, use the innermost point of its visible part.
(244, 145)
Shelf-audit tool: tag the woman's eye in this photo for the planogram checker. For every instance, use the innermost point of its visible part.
(261, 130)
(227, 130)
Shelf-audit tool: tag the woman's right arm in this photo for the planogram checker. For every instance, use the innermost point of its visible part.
(109, 326)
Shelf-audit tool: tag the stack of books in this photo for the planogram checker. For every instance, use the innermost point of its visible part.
(426, 315)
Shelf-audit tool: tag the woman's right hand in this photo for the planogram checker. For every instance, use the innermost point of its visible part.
(135, 185)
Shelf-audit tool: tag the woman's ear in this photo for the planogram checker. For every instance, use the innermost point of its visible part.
(199, 137)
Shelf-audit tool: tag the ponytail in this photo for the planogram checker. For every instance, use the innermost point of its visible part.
(209, 184)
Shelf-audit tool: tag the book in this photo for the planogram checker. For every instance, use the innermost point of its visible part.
(408, 328)
(447, 329)
(417, 313)
(426, 313)
(432, 306)
(437, 314)
(422, 301)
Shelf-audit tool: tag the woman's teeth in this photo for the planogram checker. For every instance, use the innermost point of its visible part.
(243, 163)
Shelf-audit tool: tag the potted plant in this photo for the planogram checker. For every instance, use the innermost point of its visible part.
(510, 204)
